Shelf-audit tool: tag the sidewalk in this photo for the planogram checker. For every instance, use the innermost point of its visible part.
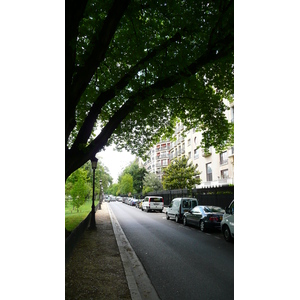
(103, 265)
(95, 270)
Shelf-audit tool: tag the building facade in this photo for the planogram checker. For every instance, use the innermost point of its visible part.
(216, 169)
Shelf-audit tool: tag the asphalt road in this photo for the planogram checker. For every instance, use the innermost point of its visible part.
(181, 262)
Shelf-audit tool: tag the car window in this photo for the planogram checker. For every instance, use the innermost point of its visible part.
(213, 209)
(155, 200)
(186, 204)
(196, 209)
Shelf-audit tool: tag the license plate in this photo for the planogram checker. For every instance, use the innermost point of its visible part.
(155, 203)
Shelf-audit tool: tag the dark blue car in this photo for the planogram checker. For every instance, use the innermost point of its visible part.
(204, 217)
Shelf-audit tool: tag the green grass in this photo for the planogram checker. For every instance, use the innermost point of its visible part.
(74, 218)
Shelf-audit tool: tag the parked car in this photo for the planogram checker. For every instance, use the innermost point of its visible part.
(139, 203)
(227, 224)
(153, 203)
(204, 217)
(133, 202)
(179, 206)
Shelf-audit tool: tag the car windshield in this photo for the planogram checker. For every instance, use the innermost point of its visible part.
(213, 209)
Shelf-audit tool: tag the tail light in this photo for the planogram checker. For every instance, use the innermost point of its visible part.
(214, 219)
(162, 200)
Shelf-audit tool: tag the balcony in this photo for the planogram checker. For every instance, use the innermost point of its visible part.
(216, 183)
(206, 153)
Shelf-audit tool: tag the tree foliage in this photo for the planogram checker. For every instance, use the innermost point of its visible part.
(77, 187)
(79, 184)
(114, 189)
(137, 174)
(151, 183)
(126, 185)
(181, 174)
(134, 66)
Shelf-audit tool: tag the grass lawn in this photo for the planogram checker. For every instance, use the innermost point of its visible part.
(74, 218)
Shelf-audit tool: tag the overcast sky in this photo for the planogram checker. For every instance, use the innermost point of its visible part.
(115, 161)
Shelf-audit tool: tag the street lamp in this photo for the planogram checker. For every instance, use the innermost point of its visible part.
(93, 221)
(100, 193)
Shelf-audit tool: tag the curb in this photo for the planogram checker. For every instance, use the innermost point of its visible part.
(138, 281)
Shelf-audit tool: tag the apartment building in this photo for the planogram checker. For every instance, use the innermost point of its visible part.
(159, 158)
(216, 168)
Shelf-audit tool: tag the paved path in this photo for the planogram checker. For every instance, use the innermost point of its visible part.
(104, 266)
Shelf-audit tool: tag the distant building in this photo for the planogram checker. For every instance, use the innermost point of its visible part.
(216, 168)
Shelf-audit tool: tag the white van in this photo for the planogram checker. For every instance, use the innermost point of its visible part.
(179, 206)
(153, 203)
(227, 224)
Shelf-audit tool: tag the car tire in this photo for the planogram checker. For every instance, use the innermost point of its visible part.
(227, 234)
(176, 219)
(184, 221)
(202, 226)
(168, 217)
(147, 209)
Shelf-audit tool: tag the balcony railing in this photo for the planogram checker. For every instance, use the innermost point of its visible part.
(206, 153)
(216, 183)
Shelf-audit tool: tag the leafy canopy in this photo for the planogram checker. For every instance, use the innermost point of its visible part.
(181, 174)
(134, 66)
(151, 183)
(137, 174)
(126, 185)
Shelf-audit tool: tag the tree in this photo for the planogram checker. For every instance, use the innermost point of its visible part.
(151, 183)
(180, 174)
(137, 174)
(77, 186)
(101, 173)
(133, 66)
(114, 189)
(126, 185)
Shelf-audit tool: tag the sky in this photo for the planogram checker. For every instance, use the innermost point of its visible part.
(115, 161)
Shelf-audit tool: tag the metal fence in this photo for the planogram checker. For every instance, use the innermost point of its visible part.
(218, 196)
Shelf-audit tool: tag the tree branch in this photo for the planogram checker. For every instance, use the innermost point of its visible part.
(129, 106)
(101, 42)
(87, 127)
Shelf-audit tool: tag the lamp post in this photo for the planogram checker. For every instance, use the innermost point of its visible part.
(100, 193)
(93, 221)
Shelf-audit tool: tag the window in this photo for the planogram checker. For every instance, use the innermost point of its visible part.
(189, 142)
(196, 153)
(190, 155)
(208, 172)
(223, 158)
(196, 209)
(232, 114)
(195, 140)
(224, 174)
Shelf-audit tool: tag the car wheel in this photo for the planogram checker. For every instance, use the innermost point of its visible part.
(202, 226)
(147, 209)
(176, 219)
(168, 217)
(227, 234)
(184, 221)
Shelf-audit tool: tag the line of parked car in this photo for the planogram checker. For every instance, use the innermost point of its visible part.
(187, 211)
